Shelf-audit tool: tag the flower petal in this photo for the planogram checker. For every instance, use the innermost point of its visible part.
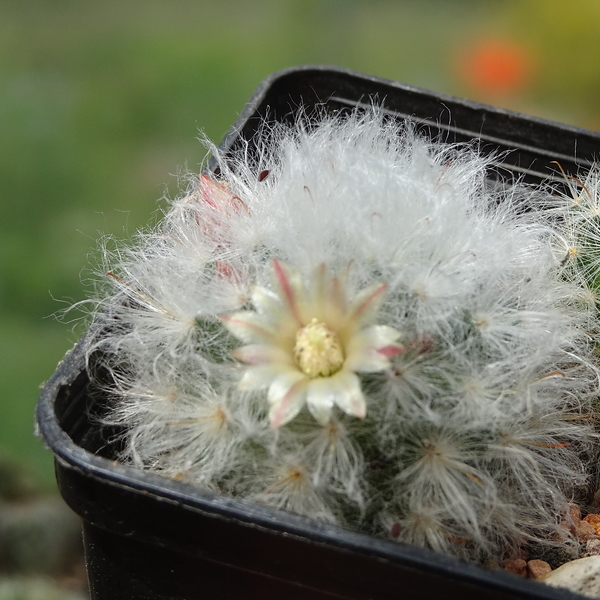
(391, 350)
(370, 361)
(337, 297)
(320, 398)
(378, 336)
(290, 290)
(262, 354)
(255, 378)
(370, 349)
(266, 302)
(318, 291)
(248, 326)
(350, 397)
(286, 397)
(366, 303)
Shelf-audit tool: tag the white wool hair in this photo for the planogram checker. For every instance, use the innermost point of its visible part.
(474, 436)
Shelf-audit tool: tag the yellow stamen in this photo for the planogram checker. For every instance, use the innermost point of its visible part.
(318, 350)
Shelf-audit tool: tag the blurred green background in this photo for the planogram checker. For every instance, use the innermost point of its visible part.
(101, 104)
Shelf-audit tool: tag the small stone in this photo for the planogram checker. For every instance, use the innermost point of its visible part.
(584, 531)
(592, 546)
(518, 566)
(581, 576)
(594, 520)
(538, 569)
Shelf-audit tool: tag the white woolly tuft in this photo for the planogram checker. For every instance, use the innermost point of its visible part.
(478, 388)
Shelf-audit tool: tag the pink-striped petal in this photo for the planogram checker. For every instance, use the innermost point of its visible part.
(318, 290)
(350, 399)
(366, 303)
(370, 361)
(289, 291)
(256, 378)
(378, 336)
(370, 349)
(286, 397)
(338, 296)
(391, 351)
(262, 354)
(248, 326)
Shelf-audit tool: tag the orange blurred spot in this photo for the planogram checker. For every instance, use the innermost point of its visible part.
(496, 66)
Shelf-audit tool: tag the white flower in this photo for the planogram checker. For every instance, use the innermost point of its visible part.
(306, 343)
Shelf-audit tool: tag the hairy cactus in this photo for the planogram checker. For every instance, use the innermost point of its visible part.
(351, 323)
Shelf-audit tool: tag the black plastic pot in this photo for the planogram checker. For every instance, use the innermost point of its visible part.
(147, 537)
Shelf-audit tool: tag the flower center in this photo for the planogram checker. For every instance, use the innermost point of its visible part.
(318, 350)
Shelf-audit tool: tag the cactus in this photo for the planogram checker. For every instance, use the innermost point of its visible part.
(353, 323)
